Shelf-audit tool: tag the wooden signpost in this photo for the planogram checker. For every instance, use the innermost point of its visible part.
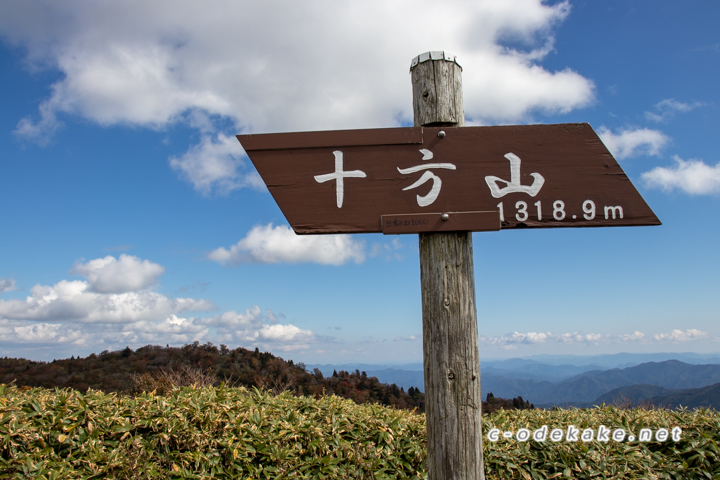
(444, 181)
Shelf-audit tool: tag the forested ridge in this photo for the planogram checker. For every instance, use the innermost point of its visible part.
(128, 370)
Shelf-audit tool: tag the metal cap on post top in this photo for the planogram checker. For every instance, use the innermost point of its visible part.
(424, 57)
(437, 90)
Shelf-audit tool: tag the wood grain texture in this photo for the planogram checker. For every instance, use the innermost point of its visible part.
(451, 360)
(332, 138)
(437, 94)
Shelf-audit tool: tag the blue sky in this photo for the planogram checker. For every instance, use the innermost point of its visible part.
(131, 215)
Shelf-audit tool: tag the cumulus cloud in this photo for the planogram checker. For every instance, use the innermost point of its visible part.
(116, 307)
(117, 291)
(633, 142)
(76, 301)
(124, 274)
(513, 340)
(285, 333)
(682, 336)
(101, 336)
(46, 332)
(667, 109)
(255, 327)
(516, 338)
(279, 244)
(691, 176)
(525, 88)
(631, 337)
(278, 66)
(7, 285)
(214, 165)
(521, 338)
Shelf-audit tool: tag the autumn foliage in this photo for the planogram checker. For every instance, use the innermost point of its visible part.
(162, 368)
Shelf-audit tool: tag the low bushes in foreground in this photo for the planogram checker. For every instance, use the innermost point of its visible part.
(694, 456)
(250, 434)
(203, 433)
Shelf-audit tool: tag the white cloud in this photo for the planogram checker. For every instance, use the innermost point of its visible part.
(213, 165)
(77, 313)
(285, 334)
(631, 337)
(680, 336)
(42, 130)
(100, 336)
(280, 66)
(76, 301)
(667, 108)
(7, 285)
(692, 176)
(279, 244)
(46, 332)
(125, 274)
(525, 87)
(512, 340)
(517, 338)
(116, 291)
(173, 329)
(234, 320)
(255, 327)
(411, 338)
(632, 142)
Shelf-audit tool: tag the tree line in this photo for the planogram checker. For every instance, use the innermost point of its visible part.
(127, 371)
(160, 368)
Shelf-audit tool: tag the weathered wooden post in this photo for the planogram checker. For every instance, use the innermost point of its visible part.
(451, 359)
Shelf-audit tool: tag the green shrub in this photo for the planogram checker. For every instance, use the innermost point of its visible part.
(203, 433)
(207, 432)
(694, 456)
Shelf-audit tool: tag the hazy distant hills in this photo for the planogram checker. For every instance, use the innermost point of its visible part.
(645, 394)
(691, 398)
(634, 394)
(615, 360)
(591, 385)
(670, 374)
(603, 378)
(539, 371)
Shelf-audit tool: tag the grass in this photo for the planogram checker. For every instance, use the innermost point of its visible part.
(209, 432)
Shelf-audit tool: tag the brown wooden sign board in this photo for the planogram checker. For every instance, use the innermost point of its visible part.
(441, 222)
(529, 175)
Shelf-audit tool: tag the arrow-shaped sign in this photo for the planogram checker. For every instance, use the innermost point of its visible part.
(528, 176)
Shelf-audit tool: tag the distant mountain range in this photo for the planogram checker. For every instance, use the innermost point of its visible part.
(661, 381)
(654, 395)
(691, 398)
(615, 360)
(588, 386)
